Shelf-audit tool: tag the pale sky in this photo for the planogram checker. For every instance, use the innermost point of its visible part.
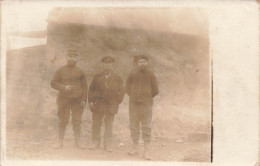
(31, 16)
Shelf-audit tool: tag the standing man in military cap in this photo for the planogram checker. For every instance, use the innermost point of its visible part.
(71, 83)
(142, 87)
(106, 92)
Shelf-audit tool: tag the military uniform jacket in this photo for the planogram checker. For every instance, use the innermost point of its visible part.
(141, 86)
(70, 75)
(106, 93)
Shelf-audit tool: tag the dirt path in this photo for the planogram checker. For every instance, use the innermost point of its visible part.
(28, 144)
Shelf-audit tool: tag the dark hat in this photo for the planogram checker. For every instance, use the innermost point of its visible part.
(142, 56)
(72, 52)
(108, 59)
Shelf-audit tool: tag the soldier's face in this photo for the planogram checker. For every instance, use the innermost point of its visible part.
(142, 63)
(72, 59)
(108, 66)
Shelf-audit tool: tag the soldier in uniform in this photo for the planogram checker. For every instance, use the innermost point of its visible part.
(142, 87)
(71, 83)
(106, 92)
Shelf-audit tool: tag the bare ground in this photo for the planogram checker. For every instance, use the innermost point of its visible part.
(35, 145)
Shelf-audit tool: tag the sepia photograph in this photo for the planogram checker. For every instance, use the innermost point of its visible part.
(108, 83)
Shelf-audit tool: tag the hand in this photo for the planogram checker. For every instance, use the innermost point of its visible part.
(83, 104)
(68, 88)
(91, 104)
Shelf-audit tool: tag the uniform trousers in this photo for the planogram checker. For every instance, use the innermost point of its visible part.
(67, 106)
(140, 114)
(97, 117)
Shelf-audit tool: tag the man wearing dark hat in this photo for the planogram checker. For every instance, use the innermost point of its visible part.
(142, 87)
(71, 83)
(106, 92)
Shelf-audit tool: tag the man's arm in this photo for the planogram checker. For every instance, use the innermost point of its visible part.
(92, 94)
(121, 90)
(154, 85)
(128, 84)
(84, 86)
(56, 81)
(92, 89)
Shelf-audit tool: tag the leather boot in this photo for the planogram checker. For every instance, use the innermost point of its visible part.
(134, 150)
(59, 145)
(107, 146)
(94, 145)
(77, 132)
(61, 131)
(147, 151)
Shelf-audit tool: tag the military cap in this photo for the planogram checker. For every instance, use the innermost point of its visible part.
(143, 56)
(72, 52)
(108, 59)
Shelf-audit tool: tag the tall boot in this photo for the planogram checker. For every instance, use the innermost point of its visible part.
(147, 151)
(77, 131)
(108, 146)
(134, 150)
(94, 145)
(61, 132)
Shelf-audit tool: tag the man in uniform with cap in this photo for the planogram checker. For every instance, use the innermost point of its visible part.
(106, 92)
(142, 87)
(71, 83)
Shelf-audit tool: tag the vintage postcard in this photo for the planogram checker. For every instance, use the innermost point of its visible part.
(129, 83)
